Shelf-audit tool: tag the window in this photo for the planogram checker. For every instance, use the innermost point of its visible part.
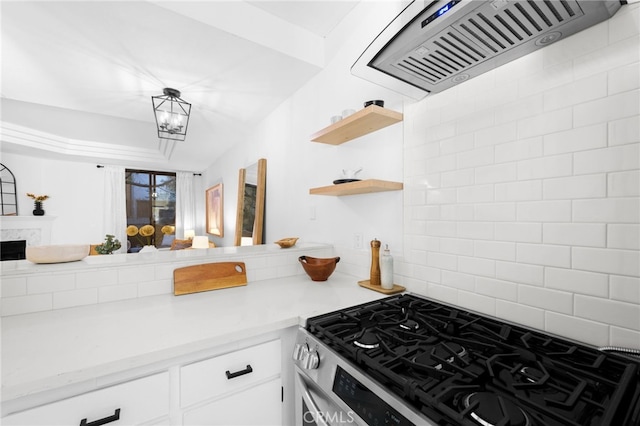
(151, 208)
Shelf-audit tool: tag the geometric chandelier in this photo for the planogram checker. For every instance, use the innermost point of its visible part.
(172, 114)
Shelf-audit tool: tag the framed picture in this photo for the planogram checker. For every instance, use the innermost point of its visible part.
(215, 224)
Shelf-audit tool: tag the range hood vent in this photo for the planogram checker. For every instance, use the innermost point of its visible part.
(434, 45)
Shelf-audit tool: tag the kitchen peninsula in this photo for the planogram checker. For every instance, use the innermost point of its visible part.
(61, 353)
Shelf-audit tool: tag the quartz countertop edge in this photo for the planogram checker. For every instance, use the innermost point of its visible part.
(74, 348)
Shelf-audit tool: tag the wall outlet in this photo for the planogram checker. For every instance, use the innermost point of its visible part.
(357, 240)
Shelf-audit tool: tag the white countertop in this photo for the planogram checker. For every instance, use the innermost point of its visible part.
(49, 350)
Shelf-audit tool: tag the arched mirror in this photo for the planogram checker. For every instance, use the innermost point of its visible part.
(252, 182)
(8, 192)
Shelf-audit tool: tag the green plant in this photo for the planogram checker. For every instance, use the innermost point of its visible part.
(110, 245)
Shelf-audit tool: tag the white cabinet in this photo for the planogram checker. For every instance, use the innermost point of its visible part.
(240, 387)
(140, 401)
(258, 405)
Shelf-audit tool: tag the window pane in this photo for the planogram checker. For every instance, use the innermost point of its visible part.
(151, 201)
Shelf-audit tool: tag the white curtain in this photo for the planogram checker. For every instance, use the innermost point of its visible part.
(185, 203)
(115, 204)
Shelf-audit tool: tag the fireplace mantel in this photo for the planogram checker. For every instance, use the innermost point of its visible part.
(36, 230)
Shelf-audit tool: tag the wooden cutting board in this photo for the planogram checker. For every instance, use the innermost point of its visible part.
(210, 276)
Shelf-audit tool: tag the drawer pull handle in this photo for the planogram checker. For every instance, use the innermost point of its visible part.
(239, 373)
(109, 419)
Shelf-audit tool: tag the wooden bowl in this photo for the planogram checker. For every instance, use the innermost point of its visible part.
(287, 242)
(57, 253)
(318, 269)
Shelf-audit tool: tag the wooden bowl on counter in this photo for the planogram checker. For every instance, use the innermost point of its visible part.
(319, 269)
(287, 242)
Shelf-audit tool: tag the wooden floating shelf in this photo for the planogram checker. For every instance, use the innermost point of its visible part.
(359, 187)
(363, 122)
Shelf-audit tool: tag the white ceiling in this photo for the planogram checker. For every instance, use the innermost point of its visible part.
(82, 73)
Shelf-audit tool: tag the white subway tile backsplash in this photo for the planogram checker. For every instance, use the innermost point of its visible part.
(519, 314)
(619, 262)
(527, 190)
(610, 108)
(475, 158)
(623, 184)
(441, 228)
(627, 130)
(153, 288)
(607, 210)
(545, 123)
(49, 283)
(475, 230)
(567, 224)
(497, 288)
(458, 280)
(495, 135)
(578, 282)
(581, 330)
(625, 236)
(544, 211)
(612, 159)
(624, 78)
(456, 144)
(624, 338)
(612, 312)
(442, 261)
(12, 287)
(576, 92)
(80, 297)
(456, 246)
(498, 250)
(545, 167)
(568, 188)
(96, 278)
(520, 273)
(26, 304)
(543, 254)
(544, 298)
(495, 212)
(443, 293)
(477, 302)
(575, 234)
(495, 173)
(112, 293)
(574, 140)
(519, 150)
(519, 232)
(135, 275)
(625, 289)
(477, 266)
(475, 194)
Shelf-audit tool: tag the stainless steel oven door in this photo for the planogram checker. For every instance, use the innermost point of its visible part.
(314, 407)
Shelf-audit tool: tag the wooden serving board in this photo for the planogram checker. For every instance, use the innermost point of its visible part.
(367, 284)
(210, 276)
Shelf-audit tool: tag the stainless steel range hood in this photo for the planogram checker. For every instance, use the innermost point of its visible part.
(434, 45)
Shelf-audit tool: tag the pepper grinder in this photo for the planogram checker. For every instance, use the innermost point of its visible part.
(375, 263)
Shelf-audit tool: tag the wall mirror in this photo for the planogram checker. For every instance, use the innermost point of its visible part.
(8, 192)
(251, 203)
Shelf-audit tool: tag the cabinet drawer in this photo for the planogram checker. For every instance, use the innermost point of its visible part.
(208, 378)
(139, 401)
(259, 405)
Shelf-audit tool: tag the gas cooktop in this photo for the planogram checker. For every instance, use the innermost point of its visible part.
(463, 368)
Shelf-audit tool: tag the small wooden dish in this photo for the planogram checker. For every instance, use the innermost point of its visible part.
(287, 242)
(367, 284)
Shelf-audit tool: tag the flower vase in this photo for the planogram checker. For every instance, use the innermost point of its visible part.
(38, 211)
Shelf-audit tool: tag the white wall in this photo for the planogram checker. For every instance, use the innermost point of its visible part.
(295, 164)
(76, 189)
(522, 185)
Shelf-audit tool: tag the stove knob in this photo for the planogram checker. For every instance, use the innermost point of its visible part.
(300, 351)
(312, 361)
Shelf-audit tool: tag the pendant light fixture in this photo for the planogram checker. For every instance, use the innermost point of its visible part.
(172, 114)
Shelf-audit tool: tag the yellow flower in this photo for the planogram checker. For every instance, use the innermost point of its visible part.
(147, 231)
(132, 230)
(168, 229)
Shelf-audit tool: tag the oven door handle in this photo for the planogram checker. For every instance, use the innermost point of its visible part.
(318, 418)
